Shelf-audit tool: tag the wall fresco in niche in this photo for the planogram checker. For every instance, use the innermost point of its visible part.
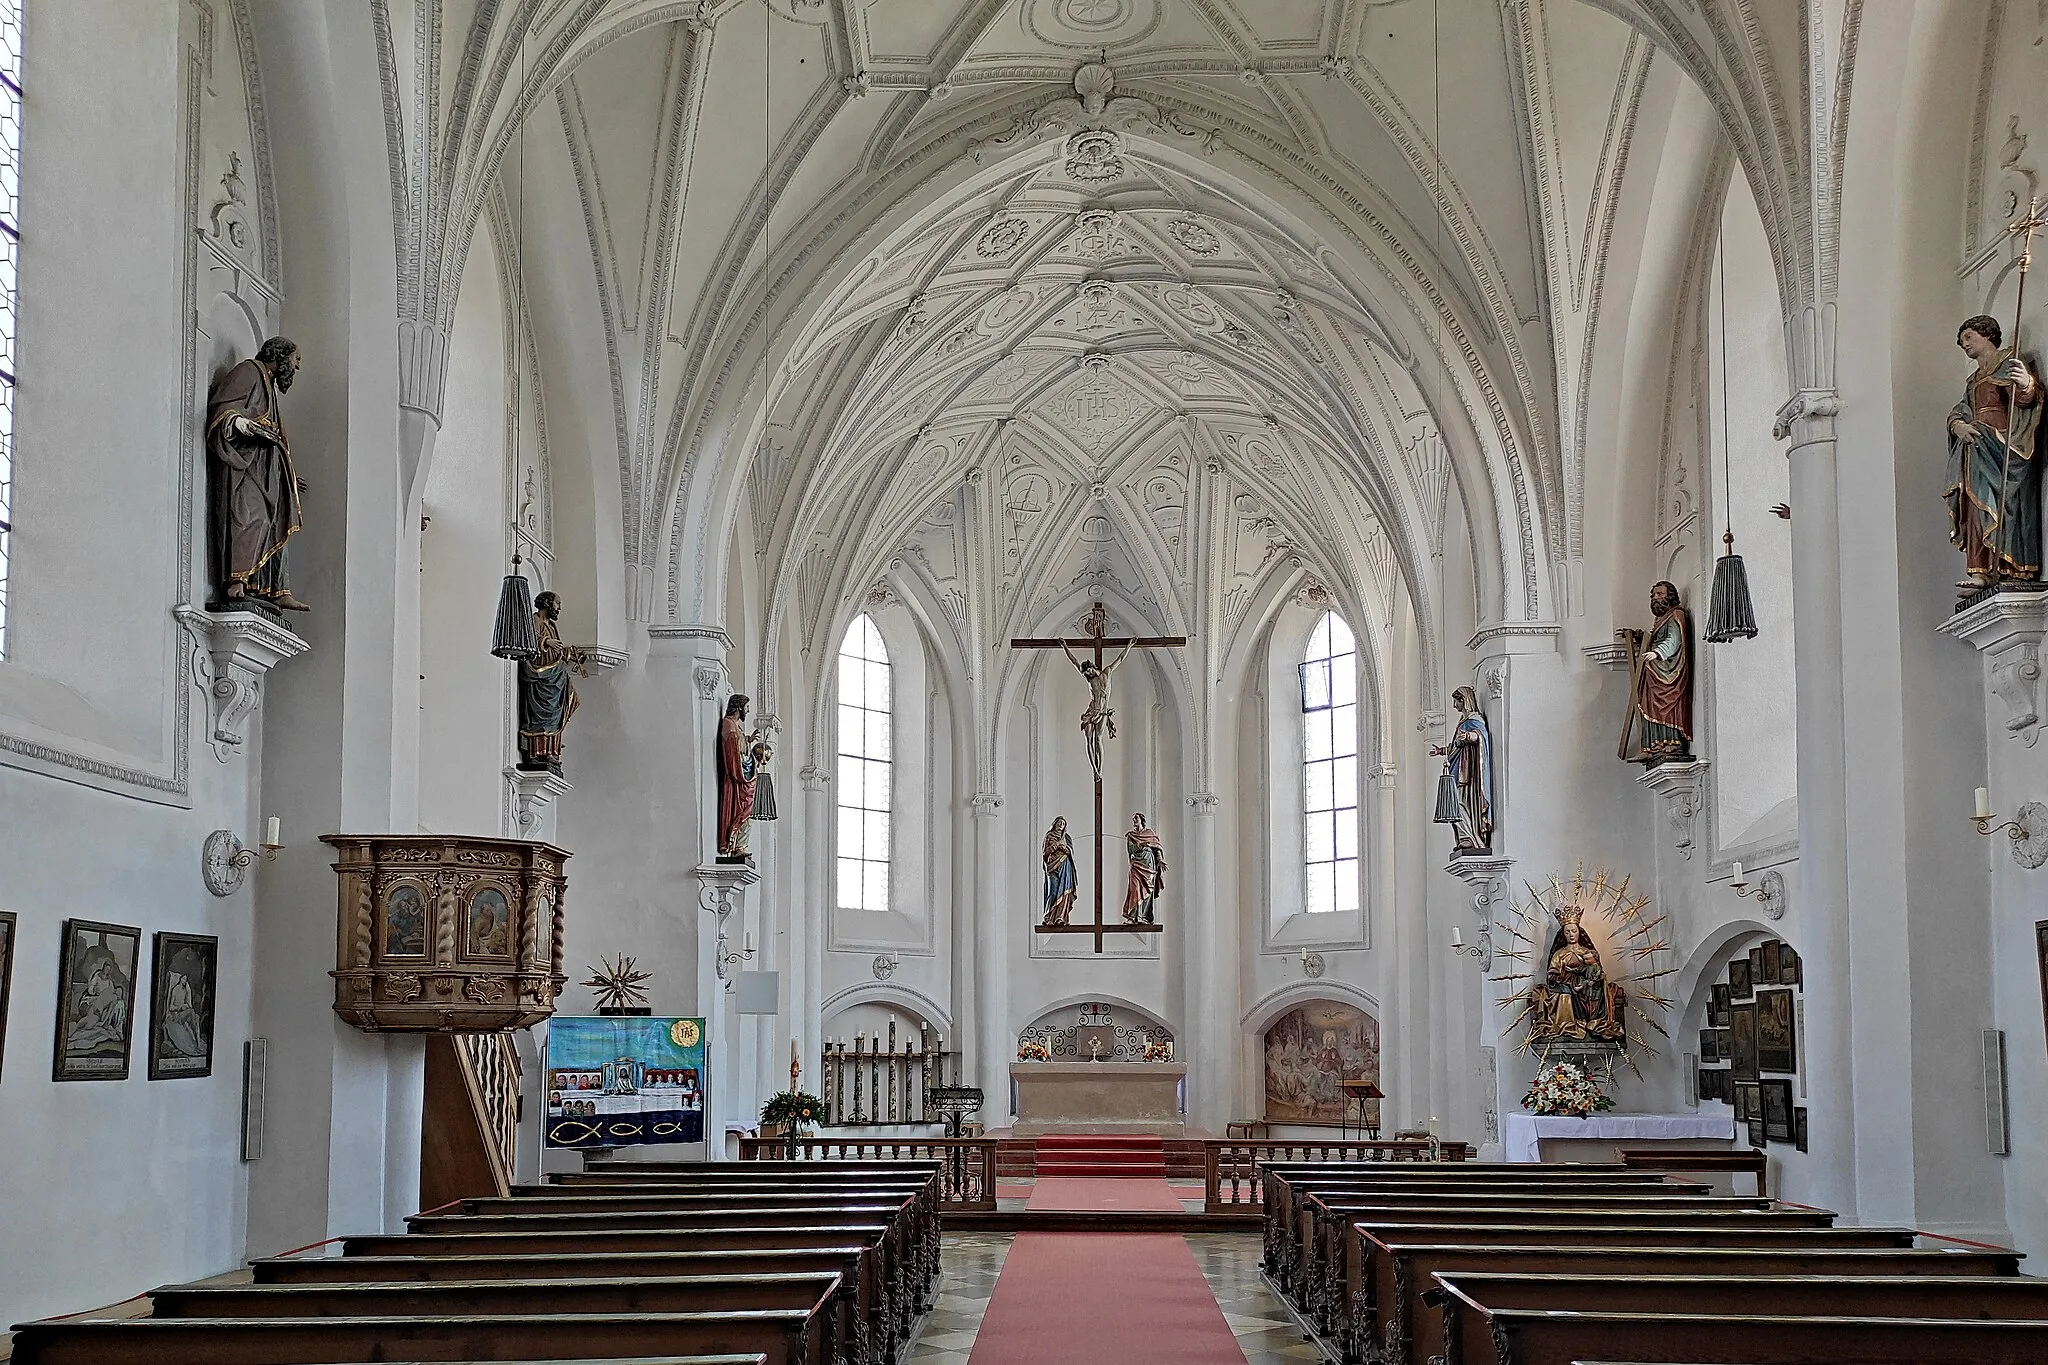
(1308, 1051)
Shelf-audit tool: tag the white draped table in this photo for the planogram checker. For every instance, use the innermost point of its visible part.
(1523, 1138)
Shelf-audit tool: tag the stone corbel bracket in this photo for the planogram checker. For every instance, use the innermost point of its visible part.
(1681, 786)
(2006, 629)
(532, 794)
(236, 648)
(1488, 878)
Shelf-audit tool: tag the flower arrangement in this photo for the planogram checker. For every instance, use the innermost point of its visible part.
(792, 1109)
(1156, 1051)
(1034, 1050)
(1565, 1088)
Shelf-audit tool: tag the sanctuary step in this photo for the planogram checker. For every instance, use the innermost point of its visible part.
(1017, 1158)
(1099, 1154)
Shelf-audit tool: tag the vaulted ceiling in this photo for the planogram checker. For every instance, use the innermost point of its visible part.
(837, 259)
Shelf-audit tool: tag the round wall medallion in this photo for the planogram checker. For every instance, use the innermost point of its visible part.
(884, 967)
(220, 865)
(2030, 837)
(1002, 237)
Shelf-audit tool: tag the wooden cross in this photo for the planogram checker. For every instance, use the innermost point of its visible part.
(1098, 638)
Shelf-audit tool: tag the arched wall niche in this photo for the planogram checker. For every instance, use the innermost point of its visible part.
(1132, 1024)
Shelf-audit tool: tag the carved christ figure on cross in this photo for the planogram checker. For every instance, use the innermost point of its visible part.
(1099, 716)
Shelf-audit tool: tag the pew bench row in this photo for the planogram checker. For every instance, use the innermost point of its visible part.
(1557, 1265)
(772, 1264)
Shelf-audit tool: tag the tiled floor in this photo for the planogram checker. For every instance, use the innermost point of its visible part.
(1228, 1260)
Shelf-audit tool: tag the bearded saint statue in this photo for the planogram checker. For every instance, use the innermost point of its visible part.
(1660, 683)
(252, 504)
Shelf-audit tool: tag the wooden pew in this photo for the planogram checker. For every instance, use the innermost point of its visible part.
(1324, 1262)
(829, 1336)
(1330, 1297)
(771, 1337)
(1389, 1323)
(860, 1269)
(894, 1297)
(1496, 1320)
(1748, 1161)
(1282, 1181)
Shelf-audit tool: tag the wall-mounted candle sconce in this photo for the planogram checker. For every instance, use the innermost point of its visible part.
(224, 860)
(2028, 829)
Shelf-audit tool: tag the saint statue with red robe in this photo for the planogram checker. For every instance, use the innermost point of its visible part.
(737, 774)
(1148, 873)
(1659, 725)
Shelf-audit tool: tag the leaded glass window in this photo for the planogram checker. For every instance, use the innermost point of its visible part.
(1329, 726)
(866, 767)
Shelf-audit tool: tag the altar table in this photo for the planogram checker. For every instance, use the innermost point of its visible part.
(1523, 1135)
(1098, 1097)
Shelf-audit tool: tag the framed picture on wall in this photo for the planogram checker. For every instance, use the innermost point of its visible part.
(1738, 979)
(1777, 1039)
(1717, 1008)
(1756, 1131)
(1749, 1103)
(95, 1001)
(2041, 951)
(1788, 966)
(1742, 1040)
(6, 976)
(1756, 965)
(182, 990)
(1708, 1052)
(1770, 962)
(1777, 1106)
(1799, 1128)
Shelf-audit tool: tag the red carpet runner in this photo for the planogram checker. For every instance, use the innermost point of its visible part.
(1099, 1154)
(1136, 1298)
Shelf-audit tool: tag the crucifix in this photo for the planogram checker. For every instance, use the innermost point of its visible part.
(1098, 722)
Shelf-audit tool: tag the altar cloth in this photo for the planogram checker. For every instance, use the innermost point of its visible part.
(1523, 1134)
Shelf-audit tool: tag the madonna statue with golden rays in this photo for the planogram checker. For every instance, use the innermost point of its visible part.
(1574, 999)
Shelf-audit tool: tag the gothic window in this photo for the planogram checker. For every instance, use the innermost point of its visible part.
(866, 767)
(10, 251)
(1329, 725)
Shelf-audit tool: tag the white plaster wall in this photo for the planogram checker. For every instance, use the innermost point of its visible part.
(116, 1185)
(467, 710)
(1749, 728)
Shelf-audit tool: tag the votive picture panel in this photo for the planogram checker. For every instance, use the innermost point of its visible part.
(95, 1000)
(184, 988)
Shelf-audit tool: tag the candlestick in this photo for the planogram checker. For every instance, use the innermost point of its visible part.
(1457, 937)
(1983, 803)
(1738, 872)
(271, 837)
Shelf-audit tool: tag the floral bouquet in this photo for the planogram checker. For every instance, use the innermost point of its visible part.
(792, 1109)
(1565, 1088)
(1034, 1050)
(1156, 1051)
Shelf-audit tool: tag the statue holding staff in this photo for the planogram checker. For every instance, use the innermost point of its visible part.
(1994, 479)
(252, 505)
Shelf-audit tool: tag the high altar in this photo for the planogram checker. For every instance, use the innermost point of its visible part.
(1098, 1097)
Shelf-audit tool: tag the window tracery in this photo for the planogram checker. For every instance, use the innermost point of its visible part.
(866, 767)
(1329, 726)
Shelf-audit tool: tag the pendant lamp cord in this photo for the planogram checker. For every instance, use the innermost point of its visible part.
(1727, 477)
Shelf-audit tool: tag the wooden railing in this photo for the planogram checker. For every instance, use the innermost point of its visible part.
(967, 1166)
(469, 1127)
(1230, 1166)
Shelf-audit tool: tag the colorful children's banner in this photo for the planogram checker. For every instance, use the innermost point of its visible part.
(621, 1081)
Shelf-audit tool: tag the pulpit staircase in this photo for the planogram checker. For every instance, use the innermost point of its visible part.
(1100, 1154)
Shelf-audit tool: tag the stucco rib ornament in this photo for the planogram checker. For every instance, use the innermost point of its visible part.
(1092, 116)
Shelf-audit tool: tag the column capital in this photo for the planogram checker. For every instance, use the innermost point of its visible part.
(984, 804)
(1203, 803)
(813, 777)
(1808, 417)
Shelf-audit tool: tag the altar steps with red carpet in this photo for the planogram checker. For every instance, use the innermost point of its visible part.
(1100, 1154)
(1017, 1158)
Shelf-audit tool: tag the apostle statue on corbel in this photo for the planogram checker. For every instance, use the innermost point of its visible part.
(739, 774)
(547, 694)
(252, 503)
(1659, 724)
(1464, 798)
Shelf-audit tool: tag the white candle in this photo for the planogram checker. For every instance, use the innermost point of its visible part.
(1983, 803)
(1432, 1125)
(270, 833)
(1738, 872)
(750, 940)
(1457, 937)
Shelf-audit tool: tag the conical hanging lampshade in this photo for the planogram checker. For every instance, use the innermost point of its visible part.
(1730, 616)
(513, 636)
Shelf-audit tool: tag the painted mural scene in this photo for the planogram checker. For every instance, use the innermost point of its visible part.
(989, 682)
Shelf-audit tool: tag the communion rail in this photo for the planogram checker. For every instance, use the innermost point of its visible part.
(967, 1166)
(1230, 1166)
